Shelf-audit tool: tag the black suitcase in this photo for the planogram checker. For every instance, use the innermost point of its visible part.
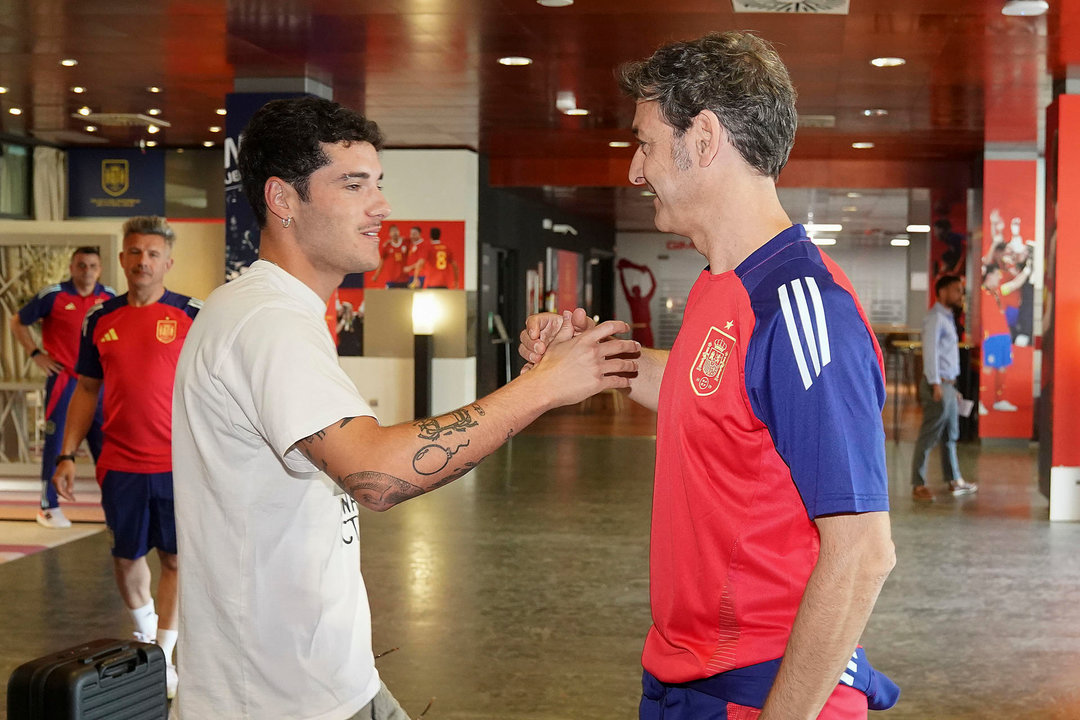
(114, 679)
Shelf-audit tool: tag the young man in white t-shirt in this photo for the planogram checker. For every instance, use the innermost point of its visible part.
(274, 449)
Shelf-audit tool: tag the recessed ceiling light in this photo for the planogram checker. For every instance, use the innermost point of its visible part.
(618, 144)
(648, 193)
(862, 145)
(1027, 8)
(151, 143)
(888, 61)
(850, 208)
(875, 112)
(555, 3)
(899, 242)
(15, 111)
(515, 60)
(91, 128)
(577, 111)
(918, 228)
(854, 195)
(824, 227)
(78, 89)
(84, 110)
(823, 240)
(69, 62)
(215, 128)
(153, 129)
(221, 111)
(208, 143)
(153, 111)
(3, 89)
(153, 89)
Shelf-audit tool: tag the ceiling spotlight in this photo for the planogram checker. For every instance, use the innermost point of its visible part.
(151, 143)
(1026, 8)
(69, 62)
(648, 193)
(515, 60)
(208, 143)
(153, 89)
(875, 112)
(555, 3)
(215, 128)
(850, 208)
(618, 144)
(3, 89)
(918, 228)
(221, 111)
(862, 145)
(78, 89)
(888, 61)
(854, 195)
(15, 111)
(90, 128)
(84, 110)
(899, 242)
(823, 240)
(153, 111)
(577, 111)
(153, 129)
(825, 227)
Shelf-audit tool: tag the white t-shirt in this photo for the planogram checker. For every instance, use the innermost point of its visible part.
(274, 618)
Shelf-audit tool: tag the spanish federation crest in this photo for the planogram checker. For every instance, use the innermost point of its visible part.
(708, 367)
(114, 177)
(166, 330)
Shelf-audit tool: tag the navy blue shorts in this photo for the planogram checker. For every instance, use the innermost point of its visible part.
(139, 512)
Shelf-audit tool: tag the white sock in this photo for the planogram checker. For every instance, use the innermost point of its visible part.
(145, 620)
(167, 640)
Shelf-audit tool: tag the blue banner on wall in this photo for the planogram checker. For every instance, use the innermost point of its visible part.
(120, 182)
(241, 229)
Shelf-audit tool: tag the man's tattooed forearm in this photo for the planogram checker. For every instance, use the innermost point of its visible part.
(379, 491)
(345, 421)
(479, 410)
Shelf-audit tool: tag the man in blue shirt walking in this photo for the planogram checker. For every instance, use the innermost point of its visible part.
(938, 394)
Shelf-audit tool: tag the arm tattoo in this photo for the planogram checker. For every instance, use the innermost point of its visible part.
(479, 410)
(345, 421)
(320, 435)
(379, 491)
(433, 457)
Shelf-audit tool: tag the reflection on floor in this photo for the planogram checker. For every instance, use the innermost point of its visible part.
(521, 590)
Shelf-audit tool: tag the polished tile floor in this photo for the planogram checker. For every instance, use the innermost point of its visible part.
(521, 591)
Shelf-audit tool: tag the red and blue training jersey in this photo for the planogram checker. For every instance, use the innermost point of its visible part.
(770, 416)
(61, 310)
(134, 350)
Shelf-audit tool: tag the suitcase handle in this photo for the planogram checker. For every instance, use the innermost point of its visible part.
(126, 663)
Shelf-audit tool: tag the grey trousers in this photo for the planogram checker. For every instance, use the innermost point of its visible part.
(382, 707)
(940, 423)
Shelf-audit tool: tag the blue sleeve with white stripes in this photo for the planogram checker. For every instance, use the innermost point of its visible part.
(812, 376)
(39, 306)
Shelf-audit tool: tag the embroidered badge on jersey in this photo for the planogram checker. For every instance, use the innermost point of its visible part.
(708, 368)
(166, 330)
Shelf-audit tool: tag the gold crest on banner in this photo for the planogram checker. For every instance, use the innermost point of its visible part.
(115, 177)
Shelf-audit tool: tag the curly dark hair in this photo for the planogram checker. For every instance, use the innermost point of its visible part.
(738, 76)
(284, 138)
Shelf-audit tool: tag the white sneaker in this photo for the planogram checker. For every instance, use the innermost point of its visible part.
(1004, 406)
(52, 518)
(171, 681)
